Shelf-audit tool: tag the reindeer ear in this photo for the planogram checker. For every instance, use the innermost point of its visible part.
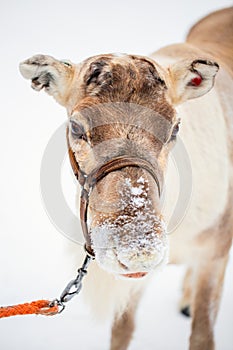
(48, 73)
(189, 80)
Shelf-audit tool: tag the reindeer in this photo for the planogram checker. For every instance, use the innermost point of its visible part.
(124, 115)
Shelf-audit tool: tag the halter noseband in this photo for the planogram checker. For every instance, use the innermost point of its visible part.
(88, 182)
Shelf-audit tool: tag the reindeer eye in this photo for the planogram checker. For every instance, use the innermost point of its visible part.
(175, 131)
(77, 131)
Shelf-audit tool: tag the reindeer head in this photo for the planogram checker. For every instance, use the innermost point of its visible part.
(123, 106)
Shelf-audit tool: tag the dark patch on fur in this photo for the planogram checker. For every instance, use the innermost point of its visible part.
(95, 71)
(150, 70)
(44, 79)
(206, 62)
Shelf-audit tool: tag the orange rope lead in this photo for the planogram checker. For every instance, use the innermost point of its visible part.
(39, 307)
(46, 307)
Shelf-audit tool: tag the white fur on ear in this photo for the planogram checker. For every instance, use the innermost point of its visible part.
(189, 80)
(48, 73)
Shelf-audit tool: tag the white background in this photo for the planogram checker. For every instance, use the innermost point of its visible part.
(34, 261)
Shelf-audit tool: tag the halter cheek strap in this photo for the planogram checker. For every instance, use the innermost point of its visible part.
(88, 182)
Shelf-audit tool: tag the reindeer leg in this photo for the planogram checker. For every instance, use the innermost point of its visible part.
(123, 326)
(186, 300)
(205, 305)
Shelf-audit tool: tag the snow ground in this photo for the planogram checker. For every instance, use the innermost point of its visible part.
(34, 260)
(159, 325)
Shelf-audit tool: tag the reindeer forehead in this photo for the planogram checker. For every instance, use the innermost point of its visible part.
(127, 70)
(126, 79)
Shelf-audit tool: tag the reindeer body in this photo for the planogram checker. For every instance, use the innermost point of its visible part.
(207, 135)
(203, 238)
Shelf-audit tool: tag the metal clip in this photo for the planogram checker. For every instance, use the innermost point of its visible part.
(74, 286)
(58, 303)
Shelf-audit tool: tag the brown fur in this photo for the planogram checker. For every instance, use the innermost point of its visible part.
(123, 327)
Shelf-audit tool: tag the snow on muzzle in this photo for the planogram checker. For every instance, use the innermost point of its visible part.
(139, 244)
(131, 248)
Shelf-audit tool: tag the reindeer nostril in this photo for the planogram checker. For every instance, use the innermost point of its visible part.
(120, 263)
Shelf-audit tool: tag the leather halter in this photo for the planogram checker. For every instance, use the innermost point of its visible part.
(89, 181)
